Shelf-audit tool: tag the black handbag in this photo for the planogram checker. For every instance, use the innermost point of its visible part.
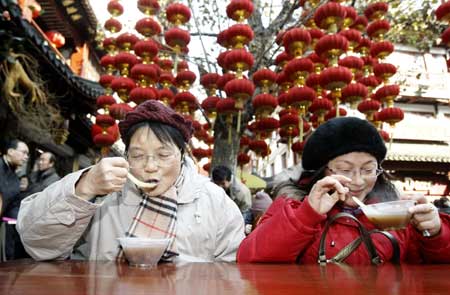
(363, 238)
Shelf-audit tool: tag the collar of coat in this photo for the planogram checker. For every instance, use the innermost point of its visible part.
(189, 191)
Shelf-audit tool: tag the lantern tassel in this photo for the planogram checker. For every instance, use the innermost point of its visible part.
(238, 127)
(300, 127)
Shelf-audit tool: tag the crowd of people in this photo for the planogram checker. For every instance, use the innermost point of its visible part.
(155, 191)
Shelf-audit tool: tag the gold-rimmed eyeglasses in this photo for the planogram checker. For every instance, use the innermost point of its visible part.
(366, 173)
(139, 160)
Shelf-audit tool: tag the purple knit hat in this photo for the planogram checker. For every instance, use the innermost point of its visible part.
(155, 111)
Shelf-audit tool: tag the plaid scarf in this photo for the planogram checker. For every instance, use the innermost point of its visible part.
(156, 218)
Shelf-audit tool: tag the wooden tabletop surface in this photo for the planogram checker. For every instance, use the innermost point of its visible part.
(71, 277)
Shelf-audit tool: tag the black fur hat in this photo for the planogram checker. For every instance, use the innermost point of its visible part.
(340, 136)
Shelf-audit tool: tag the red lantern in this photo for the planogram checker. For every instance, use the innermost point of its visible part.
(35, 8)
(376, 10)
(126, 41)
(185, 102)
(240, 10)
(123, 86)
(239, 35)
(330, 16)
(185, 79)
(377, 29)
(209, 105)
(105, 81)
(115, 8)
(381, 49)
(353, 93)
(384, 71)
(331, 46)
(320, 107)
(296, 41)
(259, 147)
(241, 90)
(224, 79)
(243, 159)
(166, 96)
(104, 101)
(264, 104)
(332, 113)
(350, 16)
(364, 46)
(353, 37)
(371, 82)
(223, 39)
(177, 38)
(119, 110)
(239, 60)
(283, 81)
(108, 63)
(369, 107)
(301, 98)
(352, 62)
(104, 120)
(298, 69)
(146, 49)
(178, 14)
(265, 126)
(335, 78)
(282, 58)
(149, 7)
(387, 94)
(209, 81)
(56, 38)
(145, 74)
(443, 12)
(384, 135)
(446, 37)
(140, 94)
(110, 45)
(264, 78)
(113, 25)
(148, 27)
(360, 23)
(391, 115)
(298, 147)
(124, 62)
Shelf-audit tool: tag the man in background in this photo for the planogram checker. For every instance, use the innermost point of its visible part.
(236, 190)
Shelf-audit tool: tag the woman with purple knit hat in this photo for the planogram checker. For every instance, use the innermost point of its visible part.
(152, 192)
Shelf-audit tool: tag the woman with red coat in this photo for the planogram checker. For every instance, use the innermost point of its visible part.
(342, 159)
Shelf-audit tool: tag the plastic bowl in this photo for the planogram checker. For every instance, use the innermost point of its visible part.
(389, 215)
(143, 252)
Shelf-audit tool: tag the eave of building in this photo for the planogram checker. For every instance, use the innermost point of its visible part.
(416, 152)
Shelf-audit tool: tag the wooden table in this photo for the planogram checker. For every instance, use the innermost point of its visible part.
(70, 277)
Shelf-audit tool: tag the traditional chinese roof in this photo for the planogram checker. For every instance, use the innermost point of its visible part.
(417, 152)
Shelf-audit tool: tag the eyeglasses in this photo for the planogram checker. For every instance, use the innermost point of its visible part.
(366, 173)
(139, 160)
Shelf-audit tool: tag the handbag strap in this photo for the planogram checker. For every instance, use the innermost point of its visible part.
(365, 238)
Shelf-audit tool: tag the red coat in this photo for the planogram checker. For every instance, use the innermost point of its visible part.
(292, 229)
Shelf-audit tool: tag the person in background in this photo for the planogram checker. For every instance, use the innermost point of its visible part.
(45, 175)
(235, 189)
(341, 160)
(154, 191)
(260, 203)
(15, 156)
(443, 204)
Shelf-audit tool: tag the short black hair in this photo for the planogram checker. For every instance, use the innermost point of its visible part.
(11, 144)
(221, 173)
(52, 158)
(164, 132)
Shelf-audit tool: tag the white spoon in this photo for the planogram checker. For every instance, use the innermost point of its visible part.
(139, 183)
(366, 209)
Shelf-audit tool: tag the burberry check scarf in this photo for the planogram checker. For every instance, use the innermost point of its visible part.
(156, 218)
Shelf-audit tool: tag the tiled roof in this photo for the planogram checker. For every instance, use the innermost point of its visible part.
(416, 152)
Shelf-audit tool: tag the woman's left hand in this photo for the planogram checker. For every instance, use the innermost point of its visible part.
(425, 215)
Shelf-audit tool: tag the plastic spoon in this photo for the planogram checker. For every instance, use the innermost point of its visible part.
(139, 183)
(366, 209)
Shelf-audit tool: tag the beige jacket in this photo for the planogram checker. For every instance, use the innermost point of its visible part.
(56, 224)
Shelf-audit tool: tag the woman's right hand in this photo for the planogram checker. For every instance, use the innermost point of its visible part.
(327, 191)
(107, 176)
